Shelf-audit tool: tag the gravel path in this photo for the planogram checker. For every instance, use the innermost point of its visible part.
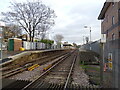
(29, 75)
(32, 75)
(79, 76)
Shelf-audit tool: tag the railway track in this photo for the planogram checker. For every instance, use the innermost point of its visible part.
(58, 76)
(8, 66)
(15, 85)
(41, 61)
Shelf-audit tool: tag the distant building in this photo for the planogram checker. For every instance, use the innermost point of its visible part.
(67, 45)
(110, 25)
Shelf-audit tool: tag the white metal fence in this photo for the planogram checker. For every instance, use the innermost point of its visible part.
(33, 45)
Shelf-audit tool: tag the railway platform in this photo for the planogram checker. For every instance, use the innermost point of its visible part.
(8, 55)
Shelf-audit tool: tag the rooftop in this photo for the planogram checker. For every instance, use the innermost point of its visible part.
(104, 9)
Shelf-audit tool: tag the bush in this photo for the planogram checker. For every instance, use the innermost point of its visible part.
(47, 41)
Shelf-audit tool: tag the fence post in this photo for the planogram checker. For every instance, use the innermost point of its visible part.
(101, 65)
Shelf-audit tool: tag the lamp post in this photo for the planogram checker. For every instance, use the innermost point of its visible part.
(47, 37)
(1, 37)
(102, 43)
(83, 40)
(90, 35)
(1, 42)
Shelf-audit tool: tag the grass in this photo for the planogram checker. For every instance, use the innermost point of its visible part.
(95, 80)
(94, 73)
(90, 67)
(83, 66)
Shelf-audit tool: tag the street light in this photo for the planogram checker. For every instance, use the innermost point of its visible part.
(83, 39)
(1, 37)
(90, 35)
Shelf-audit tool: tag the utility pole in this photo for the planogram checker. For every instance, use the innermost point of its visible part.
(101, 65)
(102, 61)
(90, 35)
(83, 40)
(90, 38)
(1, 42)
(1, 38)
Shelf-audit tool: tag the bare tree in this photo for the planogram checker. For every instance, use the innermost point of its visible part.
(30, 16)
(58, 38)
(43, 30)
(11, 31)
(16, 30)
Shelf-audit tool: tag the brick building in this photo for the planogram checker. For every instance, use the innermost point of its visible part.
(110, 25)
(110, 16)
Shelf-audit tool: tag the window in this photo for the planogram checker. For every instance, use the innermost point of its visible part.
(119, 34)
(113, 20)
(113, 36)
(119, 14)
(107, 35)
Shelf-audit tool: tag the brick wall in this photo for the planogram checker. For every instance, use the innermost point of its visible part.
(107, 26)
(17, 44)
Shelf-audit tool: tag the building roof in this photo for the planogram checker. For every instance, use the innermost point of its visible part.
(103, 11)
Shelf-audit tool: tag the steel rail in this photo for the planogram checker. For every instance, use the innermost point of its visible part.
(68, 77)
(37, 79)
(18, 70)
(34, 60)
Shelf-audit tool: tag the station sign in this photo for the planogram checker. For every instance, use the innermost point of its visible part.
(103, 38)
(109, 56)
(110, 64)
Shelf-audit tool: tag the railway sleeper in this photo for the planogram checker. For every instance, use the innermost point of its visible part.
(18, 84)
(54, 86)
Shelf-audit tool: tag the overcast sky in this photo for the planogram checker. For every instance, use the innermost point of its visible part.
(72, 16)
